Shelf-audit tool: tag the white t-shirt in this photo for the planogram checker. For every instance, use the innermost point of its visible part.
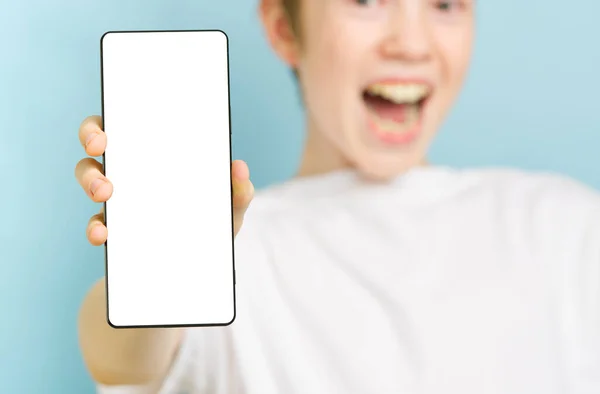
(444, 282)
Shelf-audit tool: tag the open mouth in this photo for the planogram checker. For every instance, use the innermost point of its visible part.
(395, 109)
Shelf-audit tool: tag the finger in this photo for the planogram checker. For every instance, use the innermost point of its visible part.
(96, 230)
(91, 136)
(243, 192)
(89, 175)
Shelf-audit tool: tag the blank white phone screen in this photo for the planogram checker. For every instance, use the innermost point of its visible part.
(169, 253)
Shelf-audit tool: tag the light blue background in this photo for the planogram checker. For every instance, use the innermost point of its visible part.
(531, 102)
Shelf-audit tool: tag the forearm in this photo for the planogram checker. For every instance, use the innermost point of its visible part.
(123, 356)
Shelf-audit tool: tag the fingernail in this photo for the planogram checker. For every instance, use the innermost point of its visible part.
(96, 183)
(90, 138)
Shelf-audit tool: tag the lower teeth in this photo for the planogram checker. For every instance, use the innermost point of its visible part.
(411, 116)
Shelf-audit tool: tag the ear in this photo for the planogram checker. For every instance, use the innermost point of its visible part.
(279, 31)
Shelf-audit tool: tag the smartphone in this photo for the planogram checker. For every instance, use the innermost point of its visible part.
(166, 114)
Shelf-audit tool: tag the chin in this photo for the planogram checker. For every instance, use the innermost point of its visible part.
(384, 170)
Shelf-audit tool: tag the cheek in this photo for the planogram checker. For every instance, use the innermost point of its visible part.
(336, 48)
(331, 66)
(330, 57)
(455, 47)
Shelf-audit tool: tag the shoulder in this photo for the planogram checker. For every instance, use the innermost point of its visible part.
(540, 191)
(558, 214)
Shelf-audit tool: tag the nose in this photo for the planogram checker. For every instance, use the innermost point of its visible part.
(407, 35)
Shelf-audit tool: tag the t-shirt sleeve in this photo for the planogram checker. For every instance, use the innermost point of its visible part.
(585, 282)
(180, 379)
(580, 227)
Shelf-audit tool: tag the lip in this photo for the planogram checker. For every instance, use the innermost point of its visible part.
(398, 139)
(408, 136)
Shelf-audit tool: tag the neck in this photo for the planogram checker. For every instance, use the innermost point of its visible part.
(320, 156)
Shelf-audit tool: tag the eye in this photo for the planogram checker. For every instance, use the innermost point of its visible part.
(367, 2)
(447, 6)
(371, 9)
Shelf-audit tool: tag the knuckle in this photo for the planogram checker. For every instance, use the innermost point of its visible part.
(91, 164)
(89, 122)
(96, 219)
(85, 162)
(79, 167)
(83, 168)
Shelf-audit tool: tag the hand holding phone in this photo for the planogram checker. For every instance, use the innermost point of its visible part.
(169, 252)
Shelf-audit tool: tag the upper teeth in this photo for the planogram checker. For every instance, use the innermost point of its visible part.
(400, 93)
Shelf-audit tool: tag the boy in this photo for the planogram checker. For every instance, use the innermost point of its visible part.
(373, 272)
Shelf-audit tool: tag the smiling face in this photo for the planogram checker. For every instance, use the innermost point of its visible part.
(377, 76)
